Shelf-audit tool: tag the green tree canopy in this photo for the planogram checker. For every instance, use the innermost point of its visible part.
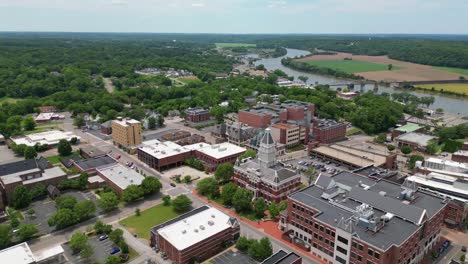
(208, 187)
(5, 236)
(78, 241)
(29, 123)
(406, 149)
(227, 193)
(65, 201)
(108, 201)
(21, 197)
(26, 231)
(132, 193)
(150, 185)
(259, 207)
(242, 200)
(181, 203)
(249, 153)
(260, 250)
(64, 148)
(224, 172)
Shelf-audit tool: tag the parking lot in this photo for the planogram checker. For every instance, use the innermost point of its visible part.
(45, 208)
(101, 250)
(321, 166)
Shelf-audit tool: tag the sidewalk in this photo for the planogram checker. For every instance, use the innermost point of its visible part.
(269, 227)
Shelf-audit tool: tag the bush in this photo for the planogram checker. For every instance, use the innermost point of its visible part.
(181, 203)
(194, 163)
(406, 150)
(166, 200)
(390, 147)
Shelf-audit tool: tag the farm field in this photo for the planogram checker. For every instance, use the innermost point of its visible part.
(455, 70)
(234, 45)
(141, 225)
(402, 71)
(352, 66)
(458, 88)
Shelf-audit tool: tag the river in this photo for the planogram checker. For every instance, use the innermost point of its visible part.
(454, 105)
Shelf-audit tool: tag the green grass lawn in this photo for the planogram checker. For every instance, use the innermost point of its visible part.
(450, 69)
(149, 218)
(234, 45)
(56, 159)
(352, 66)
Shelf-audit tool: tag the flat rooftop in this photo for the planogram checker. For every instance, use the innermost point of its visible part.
(94, 163)
(408, 128)
(196, 111)
(341, 197)
(232, 256)
(261, 110)
(44, 138)
(282, 257)
(161, 150)
(126, 122)
(195, 227)
(121, 175)
(355, 157)
(92, 151)
(284, 126)
(416, 138)
(444, 186)
(326, 123)
(222, 150)
(18, 254)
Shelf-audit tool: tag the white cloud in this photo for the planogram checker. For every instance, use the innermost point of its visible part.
(277, 4)
(198, 4)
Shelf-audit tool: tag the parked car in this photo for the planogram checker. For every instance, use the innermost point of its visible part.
(173, 184)
(103, 237)
(446, 244)
(117, 157)
(463, 248)
(114, 251)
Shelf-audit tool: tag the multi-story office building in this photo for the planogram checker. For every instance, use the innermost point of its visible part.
(328, 131)
(126, 132)
(195, 236)
(196, 115)
(263, 176)
(348, 218)
(290, 134)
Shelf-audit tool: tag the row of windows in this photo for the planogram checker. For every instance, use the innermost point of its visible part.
(370, 252)
(302, 209)
(320, 238)
(326, 251)
(323, 229)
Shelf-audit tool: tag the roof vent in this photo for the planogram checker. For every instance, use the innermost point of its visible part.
(202, 227)
(195, 230)
(184, 231)
(210, 223)
(213, 216)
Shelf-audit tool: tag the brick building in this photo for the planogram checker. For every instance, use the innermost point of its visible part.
(408, 128)
(162, 155)
(126, 132)
(328, 131)
(416, 141)
(176, 135)
(265, 115)
(28, 173)
(349, 218)
(282, 257)
(195, 236)
(263, 176)
(460, 156)
(196, 115)
(290, 134)
(118, 177)
(214, 155)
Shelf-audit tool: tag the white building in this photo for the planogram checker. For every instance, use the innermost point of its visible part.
(119, 177)
(22, 254)
(50, 138)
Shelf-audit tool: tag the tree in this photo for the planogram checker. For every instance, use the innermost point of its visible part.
(64, 148)
(249, 153)
(224, 172)
(259, 207)
(406, 149)
(432, 148)
(310, 173)
(86, 252)
(390, 67)
(116, 235)
(62, 218)
(242, 200)
(151, 122)
(26, 231)
(181, 203)
(260, 250)
(73, 140)
(108, 201)
(132, 193)
(79, 121)
(274, 210)
(5, 236)
(78, 241)
(84, 209)
(260, 67)
(14, 222)
(166, 200)
(21, 197)
(243, 244)
(102, 228)
(228, 192)
(208, 187)
(65, 201)
(390, 147)
(381, 138)
(160, 120)
(303, 78)
(462, 258)
(30, 153)
(412, 160)
(137, 212)
(113, 259)
(150, 185)
(29, 123)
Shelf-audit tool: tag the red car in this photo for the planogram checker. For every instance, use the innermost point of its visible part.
(117, 157)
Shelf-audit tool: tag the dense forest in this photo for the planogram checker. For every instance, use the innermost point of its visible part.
(68, 72)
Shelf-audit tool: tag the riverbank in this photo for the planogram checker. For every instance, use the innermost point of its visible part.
(455, 89)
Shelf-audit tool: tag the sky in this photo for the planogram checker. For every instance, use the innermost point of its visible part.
(237, 16)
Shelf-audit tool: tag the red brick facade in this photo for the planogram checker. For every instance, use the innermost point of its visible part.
(212, 163)
(456, 213)
(328, 134)
(199, 115)
(255, 120)
(273, 194)
(460, 157)
(164, 163)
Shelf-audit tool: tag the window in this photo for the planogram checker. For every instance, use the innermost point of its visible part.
(321, 238)
(340, 260)
(370, 252)
(354, 244)
(343, 240)
(327, 231)
(369, 262)
(327, 241)
(316, 226)
(353, 255)
(360, 247)
(342, 250)
(321, 228)
(314, 245)
(332, 244)
(333, 234)
(359, 258)
(376, 255)
(294, 206)
(315, 235)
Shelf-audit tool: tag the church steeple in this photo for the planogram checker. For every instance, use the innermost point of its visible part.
(267, 151)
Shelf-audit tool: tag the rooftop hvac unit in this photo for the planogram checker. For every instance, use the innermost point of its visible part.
(184, 231)
(210, 223)
(202, 227)
(213, 216)
(195, 230)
